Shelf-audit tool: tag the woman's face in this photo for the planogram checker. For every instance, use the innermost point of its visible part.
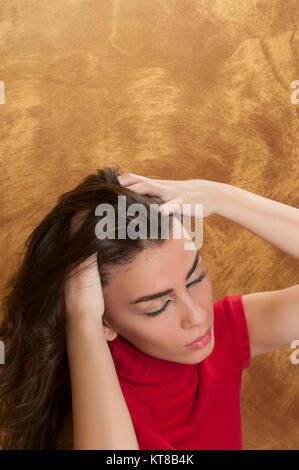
(188, 310)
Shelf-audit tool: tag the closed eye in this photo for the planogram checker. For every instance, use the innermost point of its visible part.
(201, 277)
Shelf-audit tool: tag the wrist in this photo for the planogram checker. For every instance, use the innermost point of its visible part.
(84, 322)
(225, 196)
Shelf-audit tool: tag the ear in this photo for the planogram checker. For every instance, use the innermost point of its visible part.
(110, 333)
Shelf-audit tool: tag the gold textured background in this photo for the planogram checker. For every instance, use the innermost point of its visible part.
(174, 89)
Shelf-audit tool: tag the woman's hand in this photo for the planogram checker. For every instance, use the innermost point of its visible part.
(176, 192)
(83, 291)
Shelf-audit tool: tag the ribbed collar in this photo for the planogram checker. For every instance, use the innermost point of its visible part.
(146, 375)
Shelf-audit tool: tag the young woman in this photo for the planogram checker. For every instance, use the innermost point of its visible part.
(100, 329)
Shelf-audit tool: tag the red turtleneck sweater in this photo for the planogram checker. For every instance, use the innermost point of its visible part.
(188, 406)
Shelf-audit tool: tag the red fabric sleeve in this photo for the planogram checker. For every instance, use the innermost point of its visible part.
(238, 323)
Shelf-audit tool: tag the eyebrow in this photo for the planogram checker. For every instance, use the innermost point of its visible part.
(146, 298)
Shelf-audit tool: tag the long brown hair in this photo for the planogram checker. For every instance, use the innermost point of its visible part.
(35, 386)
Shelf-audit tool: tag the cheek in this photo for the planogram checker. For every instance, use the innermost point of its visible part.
(156, 331)
(164, 331)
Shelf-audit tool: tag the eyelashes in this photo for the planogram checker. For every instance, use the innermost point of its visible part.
(153, 314)
(201, 277)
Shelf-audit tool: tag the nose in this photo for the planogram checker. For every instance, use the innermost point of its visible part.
(191, 313)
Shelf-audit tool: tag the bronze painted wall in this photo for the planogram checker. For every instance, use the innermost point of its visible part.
(174, 89)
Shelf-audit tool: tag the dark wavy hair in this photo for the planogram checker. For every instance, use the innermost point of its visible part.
(35, 383)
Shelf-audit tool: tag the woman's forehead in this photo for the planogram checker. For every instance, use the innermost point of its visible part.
(153, 265)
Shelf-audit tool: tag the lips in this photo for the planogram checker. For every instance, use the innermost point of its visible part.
(199, 338)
